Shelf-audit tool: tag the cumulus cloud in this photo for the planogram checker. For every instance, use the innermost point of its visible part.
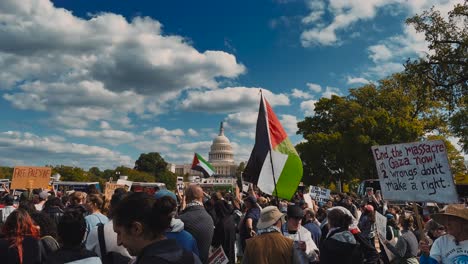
(357, 80)
(242, 120)
(54, 61)
(37, 150)
(308, 107)
(230, 99)
(109, 136)
(296, 93)
(329, 91)
(192, 132)
(314, 87)
(328, 21)
(289, 123)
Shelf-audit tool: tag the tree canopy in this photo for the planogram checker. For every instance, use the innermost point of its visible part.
(445, 67)
(151, 163)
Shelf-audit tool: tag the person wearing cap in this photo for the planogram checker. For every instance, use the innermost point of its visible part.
(176, 230)
(367, 223)
(300, 235)
(270, 246)
(452, 247)
(43, 195)
(248, 224)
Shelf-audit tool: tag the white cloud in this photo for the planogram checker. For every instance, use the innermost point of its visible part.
(379, 53)
(110, 136)
(37, 150)
(242, 120)
(230, 99)
(328, 20)
(104, 125)
(314, 87)
(289, 123)
(329, 91)
(64, 63)
(308, 107)
(160, 131)
(296, 93)
(192, 132)
(357, 80)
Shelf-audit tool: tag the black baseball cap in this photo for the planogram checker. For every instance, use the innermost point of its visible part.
(295, 211)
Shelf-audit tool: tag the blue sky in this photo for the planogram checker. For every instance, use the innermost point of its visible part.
(94, 83)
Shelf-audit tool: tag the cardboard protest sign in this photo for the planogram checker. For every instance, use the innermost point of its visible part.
(417, 171)
(381, 224)
(128, 184)
(308, 201)
(217, 256)
(31, 178)
(110, 188)
(319, 194)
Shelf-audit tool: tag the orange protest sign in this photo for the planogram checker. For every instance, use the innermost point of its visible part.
(110, 188)
(31, 177)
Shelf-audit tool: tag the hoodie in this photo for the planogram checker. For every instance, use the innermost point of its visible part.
(182, 237)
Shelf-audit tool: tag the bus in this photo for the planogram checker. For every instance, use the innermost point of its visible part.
(148, 187)
(68, 186)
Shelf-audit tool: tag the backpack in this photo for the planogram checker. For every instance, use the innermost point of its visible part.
(364, 252)
(109, 257)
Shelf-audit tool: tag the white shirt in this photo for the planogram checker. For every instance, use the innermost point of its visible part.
(110, 237)
(445, 250)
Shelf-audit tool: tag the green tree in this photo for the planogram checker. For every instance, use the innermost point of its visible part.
(151, 163)
(445, 67)
(167, 178)
(69, 173)
(6, 172)
(95, 172)
(134, 175)
(340, 134)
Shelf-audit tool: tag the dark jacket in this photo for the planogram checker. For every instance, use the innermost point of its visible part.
(166, 251)
(200, 224)
(54, 212)
(225, 236)
(32, 249)
(338, 247)
(66, 255)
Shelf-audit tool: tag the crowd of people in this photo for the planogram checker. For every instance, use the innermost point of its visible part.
(187, 227)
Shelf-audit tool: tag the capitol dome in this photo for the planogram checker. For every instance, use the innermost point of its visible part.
(221, 149)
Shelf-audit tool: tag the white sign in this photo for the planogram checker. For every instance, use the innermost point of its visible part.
(308, 201)
(381, 224)
(128, 184)
(217, 256)
(417, 172)
(319, 194)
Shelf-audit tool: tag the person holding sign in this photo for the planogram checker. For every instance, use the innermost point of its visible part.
(452, 247)
(406, 249)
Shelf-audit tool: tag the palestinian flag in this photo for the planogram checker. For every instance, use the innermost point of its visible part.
(199, 164)
(274, 165)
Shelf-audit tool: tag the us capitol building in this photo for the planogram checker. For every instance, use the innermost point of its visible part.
(221, 157)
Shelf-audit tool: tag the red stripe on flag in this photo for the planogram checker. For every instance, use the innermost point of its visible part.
(276, 130)
(195, 161)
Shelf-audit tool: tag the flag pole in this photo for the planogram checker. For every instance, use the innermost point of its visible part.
(271, 157)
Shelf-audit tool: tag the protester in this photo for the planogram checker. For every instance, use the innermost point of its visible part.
(77, 201)
(310, 223)
(392, 228)
(248, 224)
(104, 235)
(300, 235)
(94, 204)
(452, 247)
(21, 242)
(48, 232)
(54, 209)
(406, 248)
(197, 221)
(339, 244)
(270, 246)
(8, 200)
(43, 195)
(434, 230)
(225, 230)
(140, 222)
(176, 230)
(367, 223)
(71, 231)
